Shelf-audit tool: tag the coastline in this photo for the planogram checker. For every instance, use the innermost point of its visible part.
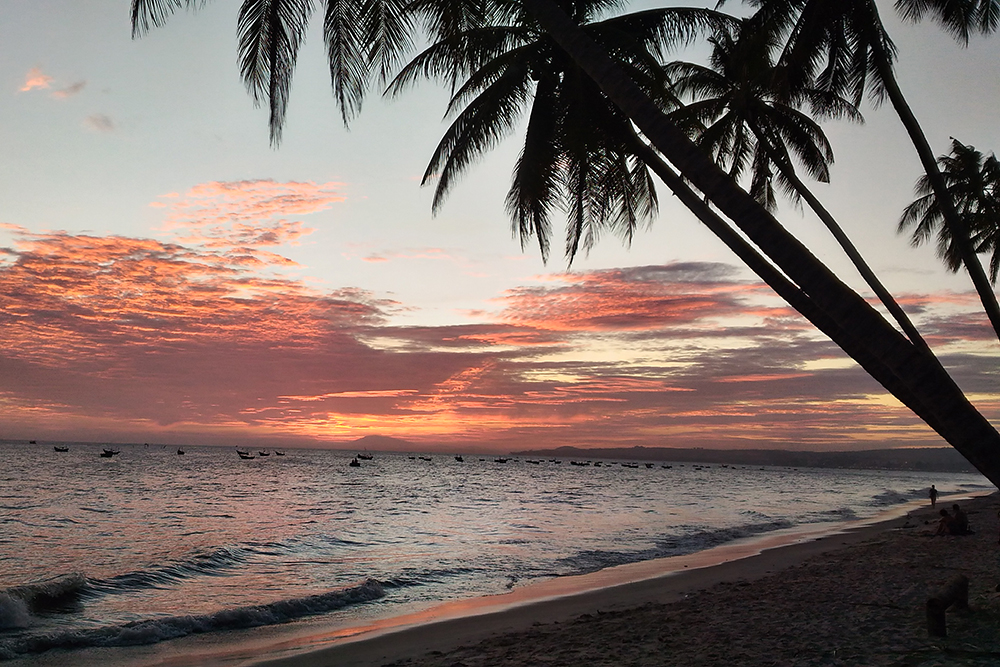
(808, 595)
(559, 616)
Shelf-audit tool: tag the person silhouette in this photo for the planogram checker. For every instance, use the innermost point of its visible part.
(933, 495)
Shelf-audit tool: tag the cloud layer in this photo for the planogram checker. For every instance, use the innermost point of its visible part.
(118, 337)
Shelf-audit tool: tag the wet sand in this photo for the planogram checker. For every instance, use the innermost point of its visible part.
(856, 598)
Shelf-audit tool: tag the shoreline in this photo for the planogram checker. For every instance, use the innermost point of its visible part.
(449, 626)
(568, 614)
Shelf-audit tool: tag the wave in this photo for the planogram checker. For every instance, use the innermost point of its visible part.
(836, 514)
(212, 563)
(889, 497)
(66, 592)
(55, 594)
(155, 630)
(676, 545)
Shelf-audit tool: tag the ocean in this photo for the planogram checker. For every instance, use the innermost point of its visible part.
(149, 546)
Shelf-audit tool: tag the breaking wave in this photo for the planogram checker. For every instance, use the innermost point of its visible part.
(154, 630)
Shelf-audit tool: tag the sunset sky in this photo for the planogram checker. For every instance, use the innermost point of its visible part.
(167, 276)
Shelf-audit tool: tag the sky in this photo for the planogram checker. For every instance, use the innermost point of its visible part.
(168, 276)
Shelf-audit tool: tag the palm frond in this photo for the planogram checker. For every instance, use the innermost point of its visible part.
(535, 185)
(387, 28)
(960, 18)
(477, 129)
(154, 13)
(270, 33)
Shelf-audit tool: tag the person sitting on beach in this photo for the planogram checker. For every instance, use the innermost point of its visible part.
(960, 521)
(944, 524)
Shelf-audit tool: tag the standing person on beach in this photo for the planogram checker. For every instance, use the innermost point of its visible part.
(933, 495)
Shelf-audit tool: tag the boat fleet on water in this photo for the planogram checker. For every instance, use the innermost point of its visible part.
(355, 462)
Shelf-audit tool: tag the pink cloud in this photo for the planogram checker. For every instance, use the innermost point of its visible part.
(195, 342)
(638, 298)
(35, 79)
(246, 215)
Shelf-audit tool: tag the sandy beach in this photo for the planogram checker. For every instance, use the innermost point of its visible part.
(857, 598)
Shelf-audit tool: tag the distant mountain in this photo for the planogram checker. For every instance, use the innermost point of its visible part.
(385, 443)
(938, 459)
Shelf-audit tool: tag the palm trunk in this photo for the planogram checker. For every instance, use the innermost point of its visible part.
(956, 225)
(845, 242)
(960, 423)
(783, 287)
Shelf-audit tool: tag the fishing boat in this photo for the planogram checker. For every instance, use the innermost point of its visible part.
(459, 458)
(244, 455)
(277, 453)
(264, 453)
(108, 453)
(180, 452)
(355, 463)
(366, 456)
(60, 449)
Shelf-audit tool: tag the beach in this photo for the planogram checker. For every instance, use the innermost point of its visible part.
(855, 598)
(304, 560)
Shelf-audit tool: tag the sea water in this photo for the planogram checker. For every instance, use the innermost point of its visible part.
(150, 546)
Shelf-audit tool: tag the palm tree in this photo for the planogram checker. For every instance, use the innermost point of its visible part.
(907, 371)
(898, 361)
(579, 152)
(973, 182)
(740, 117)
(842, 46)
(572, 127)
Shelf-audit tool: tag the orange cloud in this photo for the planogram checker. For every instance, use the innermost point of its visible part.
(35, 79)
(241, 217)
(652, 297)
(196, 343)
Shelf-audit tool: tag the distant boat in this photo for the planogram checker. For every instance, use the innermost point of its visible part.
(366, 456)
(277, 453)
(244, 455)
(264, 453)
(32, 442)
(108, 453)
(425, 458)
(500, 460)
(459, 458)
(60, 449)
(180, 452)
(355, 463)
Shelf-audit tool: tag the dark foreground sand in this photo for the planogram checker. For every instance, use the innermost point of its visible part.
(846, 600)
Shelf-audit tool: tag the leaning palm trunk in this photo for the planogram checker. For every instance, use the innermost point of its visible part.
(905, 364)
(956, 224)
(845, 242)
(782, 286)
